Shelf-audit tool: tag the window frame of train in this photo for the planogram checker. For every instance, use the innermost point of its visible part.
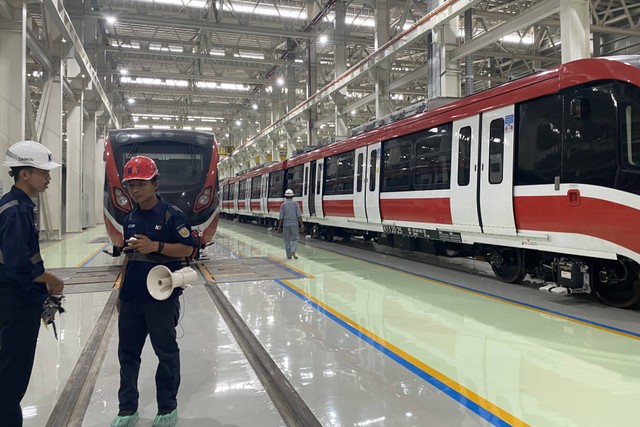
(339, 170)
(242, 189)
(255, 186)
(424, 161)
(546, 147)
(294, 179)
(276, 184)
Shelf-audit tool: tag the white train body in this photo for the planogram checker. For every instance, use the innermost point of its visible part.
(540, 175)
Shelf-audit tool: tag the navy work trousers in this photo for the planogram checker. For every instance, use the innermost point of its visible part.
(158, 320)
(19, 327)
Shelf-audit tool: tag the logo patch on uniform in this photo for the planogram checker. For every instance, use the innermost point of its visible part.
(131, 226)
(183, 231)
(159, 227)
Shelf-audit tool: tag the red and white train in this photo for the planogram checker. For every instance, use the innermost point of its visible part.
(540, 176)
(188, 166)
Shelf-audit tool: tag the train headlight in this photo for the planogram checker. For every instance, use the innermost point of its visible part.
(122, 201)
(203, 200)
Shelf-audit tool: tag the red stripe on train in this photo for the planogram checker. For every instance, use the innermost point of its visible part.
(274, 206)
(433, 210)
(592, 217)
(340, 208)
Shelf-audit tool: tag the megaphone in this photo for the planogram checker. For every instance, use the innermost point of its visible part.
(161, 281)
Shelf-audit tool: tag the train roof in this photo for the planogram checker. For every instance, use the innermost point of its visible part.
(123, 136)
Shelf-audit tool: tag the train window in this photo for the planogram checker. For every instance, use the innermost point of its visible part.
(590, 144)
(432, 158)
(631, 135)
(372, 170)
(306, 181)
(345, 173)
(232, 191)
(496, 150)
(255, 187)
(319, 178)
(359, 172)
(331, 175)
(242, 194)
(396, 166)
(294, 179)
(464, 156)
(276, 184)
(539, 143)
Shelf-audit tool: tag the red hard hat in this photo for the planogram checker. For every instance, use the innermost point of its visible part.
(140, 167)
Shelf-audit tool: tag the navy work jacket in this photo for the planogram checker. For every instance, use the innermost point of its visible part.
(20, 260)
(162, 223)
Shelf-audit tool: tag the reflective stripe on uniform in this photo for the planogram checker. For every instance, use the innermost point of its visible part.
(36, 258)
(8, 205)
(1, 257)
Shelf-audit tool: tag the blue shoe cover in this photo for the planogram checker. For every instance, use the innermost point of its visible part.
(168, 420)
(126, 421)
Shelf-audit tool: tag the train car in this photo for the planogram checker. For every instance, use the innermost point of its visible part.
(187, 162)
(538, 176)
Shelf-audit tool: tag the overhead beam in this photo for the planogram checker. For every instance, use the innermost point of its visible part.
(156, 21)
(124, 87)
(212, 58)
(532, 15)
(183, 76)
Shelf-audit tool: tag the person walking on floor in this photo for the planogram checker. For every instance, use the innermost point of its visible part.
(290, 221)
(24, 283)
(156, 233)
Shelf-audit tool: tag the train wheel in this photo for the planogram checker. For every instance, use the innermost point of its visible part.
(508, 264)
(329, 235)
(626, 292)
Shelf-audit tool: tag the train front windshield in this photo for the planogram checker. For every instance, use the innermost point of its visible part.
(176, 169)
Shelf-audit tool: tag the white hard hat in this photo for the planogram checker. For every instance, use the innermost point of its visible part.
(288, 193)
(29, 153)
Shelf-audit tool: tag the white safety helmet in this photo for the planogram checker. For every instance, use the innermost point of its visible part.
(29, 153)
(288, 193)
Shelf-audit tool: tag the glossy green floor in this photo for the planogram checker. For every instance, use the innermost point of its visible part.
(518, 364)
(524, 365)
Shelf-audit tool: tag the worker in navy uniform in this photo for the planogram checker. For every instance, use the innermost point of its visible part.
(24, 284)
(156, 233)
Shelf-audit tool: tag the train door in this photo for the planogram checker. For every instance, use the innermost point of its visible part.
(312, 188)
(464, 174)
(359, 185)
(264, 193)
(496, 172)
(306, 179)
(235, 196)
(372, 182)
(319, 168)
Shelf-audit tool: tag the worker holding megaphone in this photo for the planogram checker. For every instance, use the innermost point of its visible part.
(157, 238)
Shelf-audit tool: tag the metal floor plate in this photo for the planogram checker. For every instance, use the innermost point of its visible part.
(248, 269)
(92, 279)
